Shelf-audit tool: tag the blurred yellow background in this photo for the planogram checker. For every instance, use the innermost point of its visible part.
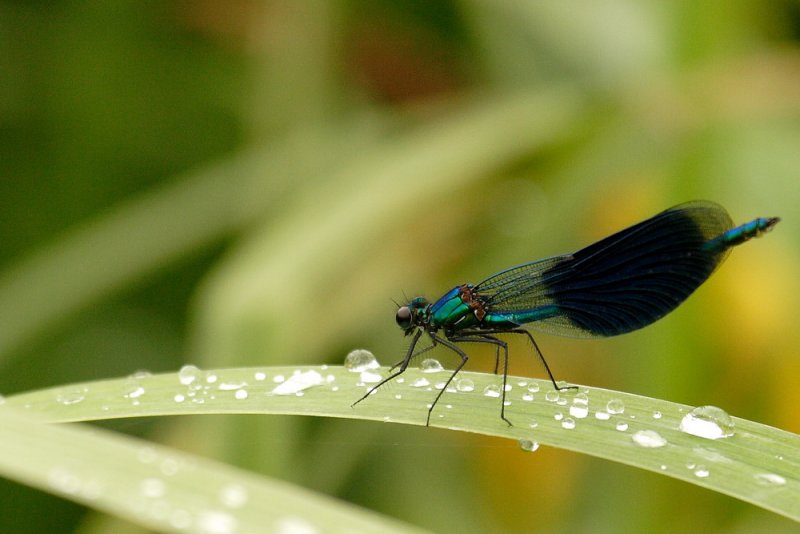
(253, 183)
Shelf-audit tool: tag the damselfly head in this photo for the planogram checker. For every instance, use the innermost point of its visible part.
(412, 315)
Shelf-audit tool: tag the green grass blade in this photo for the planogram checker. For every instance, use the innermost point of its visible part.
(165, 489)
(757, 464)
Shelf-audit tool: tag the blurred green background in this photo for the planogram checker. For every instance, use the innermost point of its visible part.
(252, 183)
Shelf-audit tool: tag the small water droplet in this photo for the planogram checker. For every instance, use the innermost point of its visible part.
(656, 415)
(622, 427)
(153, 488)
(216, 522)
(508, 387)
(708, 422)
(552, 395)
(769, 479)
(211, 379)
(72, 396)
(231, 386)
(233, 495)
(368, 377)
(701, 472)
(602, 416)
(179, 398)
(298, 382)
(649, 439)
(360, 360)
(278, 379)
(528, 445)
(558, 416)
(294, 525)
(431, 365)
(492, 391)
(568, 423)
(398, 396)
(420, 383)
(527, 397)
(133, 391)
(533, 423)
(259, 375)
(615, 407)
(580, 406)
(188, 374)
(141, 373)
(240, 394)
(465, 385)
(533, 387)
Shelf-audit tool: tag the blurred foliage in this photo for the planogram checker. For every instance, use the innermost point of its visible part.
(254, 182)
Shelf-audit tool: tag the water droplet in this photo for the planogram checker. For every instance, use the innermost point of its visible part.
(602, 416)
(420, 383)
(133, 391)
(528, 445)
(656, 415)
(701, 472)
(580, 406)
(278, 379)
(430, 365)
(141, 373)
(294, 525)
(568, 423)
(465, 385)
(649, 439)
(533, 387)
(298, 382)
(769, 479)
(615, 407)
(240, 394)
(552, 395)
(527, 397)
(188, 374)
(533, 423)
(398, 396)
(707, 422)
(622, 427)
(259, 375)
(231, 386)
(211, 379)
(179, 398)
(233, 495)
(216, 522)
(558, 416)
(368, 377)
(492, 391)
(360, 360)
(153, 488)
(72, 396)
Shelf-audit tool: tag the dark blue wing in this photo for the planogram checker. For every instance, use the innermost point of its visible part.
(619, 284)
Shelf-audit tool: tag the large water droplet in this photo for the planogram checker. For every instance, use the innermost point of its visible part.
(298, 382)
(615, 407)
(649, 439)
(430, 365)
(708, 422)
(360, 360)
(528, 445)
